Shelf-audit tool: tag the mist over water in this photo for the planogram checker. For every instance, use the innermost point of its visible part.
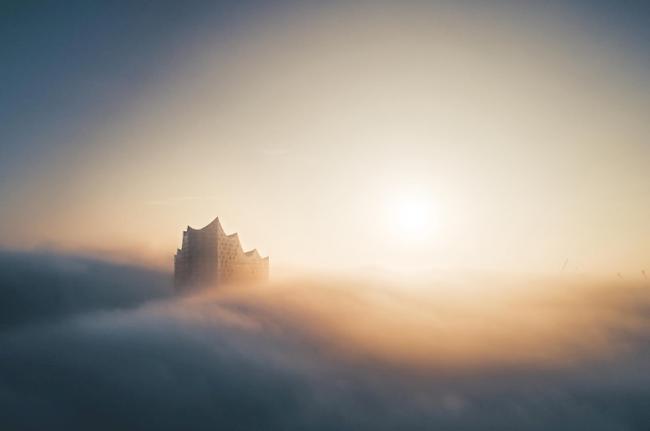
(118, 351)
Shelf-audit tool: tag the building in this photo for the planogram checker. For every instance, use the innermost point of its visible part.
(209, 257)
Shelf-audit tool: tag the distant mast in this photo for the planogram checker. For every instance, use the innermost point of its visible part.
(208, 258)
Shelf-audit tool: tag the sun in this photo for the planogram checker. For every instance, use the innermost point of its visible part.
(412, 217)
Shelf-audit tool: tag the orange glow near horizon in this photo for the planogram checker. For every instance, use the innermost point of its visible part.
(440, 325)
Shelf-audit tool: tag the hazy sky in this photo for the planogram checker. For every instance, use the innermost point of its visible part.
(518, 131)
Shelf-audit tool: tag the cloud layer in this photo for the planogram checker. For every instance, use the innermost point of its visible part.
(87, 344)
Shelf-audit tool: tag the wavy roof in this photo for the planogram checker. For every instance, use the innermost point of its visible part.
(216, 225)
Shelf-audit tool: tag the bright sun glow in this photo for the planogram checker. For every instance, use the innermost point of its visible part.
(412, 217)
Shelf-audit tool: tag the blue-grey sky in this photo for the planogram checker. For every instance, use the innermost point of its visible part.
(70, 65)
(67, 67)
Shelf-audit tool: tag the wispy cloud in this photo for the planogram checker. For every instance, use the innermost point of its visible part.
(178, 200)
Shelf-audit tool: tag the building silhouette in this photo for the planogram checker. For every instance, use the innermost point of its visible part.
(209, 257)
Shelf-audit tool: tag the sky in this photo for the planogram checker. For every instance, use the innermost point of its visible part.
(401, 136)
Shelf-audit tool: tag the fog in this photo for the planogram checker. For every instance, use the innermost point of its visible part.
(91, 344)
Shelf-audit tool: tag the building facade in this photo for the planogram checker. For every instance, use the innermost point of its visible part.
(209, 257)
